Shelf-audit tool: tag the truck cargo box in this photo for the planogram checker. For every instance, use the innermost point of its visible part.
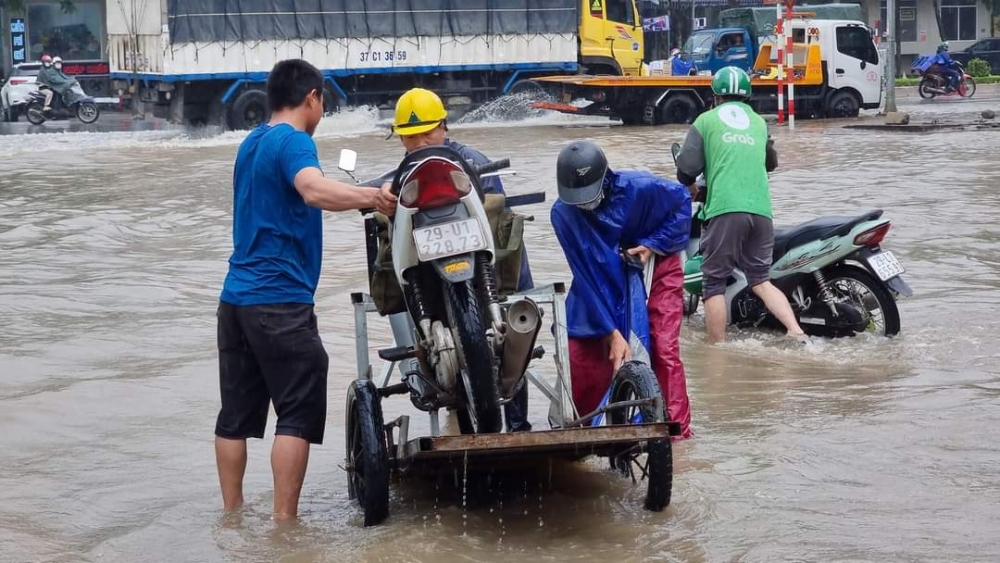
(199, 37)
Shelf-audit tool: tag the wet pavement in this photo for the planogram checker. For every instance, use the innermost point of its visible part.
(113, 248)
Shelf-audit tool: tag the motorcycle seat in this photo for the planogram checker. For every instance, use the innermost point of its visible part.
(818, 229)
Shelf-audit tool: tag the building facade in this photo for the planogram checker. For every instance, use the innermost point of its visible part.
(78, 35)
(924, 24)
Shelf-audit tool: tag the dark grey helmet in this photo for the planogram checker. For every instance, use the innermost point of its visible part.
(580, 172)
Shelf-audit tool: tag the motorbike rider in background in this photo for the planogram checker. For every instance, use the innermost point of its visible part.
(52, 80)
(947, 65)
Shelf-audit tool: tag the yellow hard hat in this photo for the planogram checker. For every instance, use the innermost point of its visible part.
(418, 111)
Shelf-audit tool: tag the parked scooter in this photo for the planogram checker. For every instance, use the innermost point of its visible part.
(837, 277)
(472, 353)
(83, 107)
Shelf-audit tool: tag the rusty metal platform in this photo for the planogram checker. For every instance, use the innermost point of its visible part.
(518, 450)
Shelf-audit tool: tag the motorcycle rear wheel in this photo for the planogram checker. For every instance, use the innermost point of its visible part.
(482, 406)
(924, 89)
(867, 292)
(34, 113)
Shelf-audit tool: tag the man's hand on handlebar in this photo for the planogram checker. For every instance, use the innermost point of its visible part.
(385, 201)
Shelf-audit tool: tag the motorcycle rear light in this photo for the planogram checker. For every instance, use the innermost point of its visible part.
(872, 237)
(18, 81)
(433, 183)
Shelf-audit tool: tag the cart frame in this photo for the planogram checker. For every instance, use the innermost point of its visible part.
(571, 435)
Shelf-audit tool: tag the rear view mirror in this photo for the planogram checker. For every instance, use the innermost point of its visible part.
(348, 160)
(675, 149)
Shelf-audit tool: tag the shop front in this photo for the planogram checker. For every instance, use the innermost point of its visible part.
(75, 31)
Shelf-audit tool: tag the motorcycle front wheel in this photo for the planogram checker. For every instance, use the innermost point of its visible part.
(924, 88)
(35, 114)
(87, 112)
(870, 295)
(481, 412)
(967, 88)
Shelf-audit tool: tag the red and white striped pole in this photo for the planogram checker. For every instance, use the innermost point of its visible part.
(779, 30)
(790, 63)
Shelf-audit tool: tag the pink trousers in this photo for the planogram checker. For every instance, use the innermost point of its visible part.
(592, 371)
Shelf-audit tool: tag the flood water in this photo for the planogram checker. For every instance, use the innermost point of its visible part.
(113, 248)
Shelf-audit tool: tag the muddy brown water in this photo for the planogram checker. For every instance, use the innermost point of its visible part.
(113, 248)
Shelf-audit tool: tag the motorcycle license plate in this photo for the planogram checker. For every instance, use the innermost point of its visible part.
(886, 265)
(449, 239)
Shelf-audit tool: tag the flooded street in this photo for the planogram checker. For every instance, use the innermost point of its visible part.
(113, 248)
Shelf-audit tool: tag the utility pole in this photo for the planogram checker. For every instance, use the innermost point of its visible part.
(890, 63)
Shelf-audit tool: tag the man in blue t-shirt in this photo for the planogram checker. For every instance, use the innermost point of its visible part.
(270, 350)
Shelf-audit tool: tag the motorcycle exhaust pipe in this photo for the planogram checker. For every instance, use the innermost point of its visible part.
(524, 321)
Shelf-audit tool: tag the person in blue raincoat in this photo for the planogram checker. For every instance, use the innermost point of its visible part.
(610, 223)
(947, 66)
(422, 121)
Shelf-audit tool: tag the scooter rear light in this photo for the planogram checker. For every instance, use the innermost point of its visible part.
(18, 81)
(433, 183)
(872, 237)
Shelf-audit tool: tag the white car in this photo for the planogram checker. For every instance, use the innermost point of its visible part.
(14, 94)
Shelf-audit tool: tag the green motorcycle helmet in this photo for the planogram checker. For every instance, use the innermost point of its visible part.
(731, 82)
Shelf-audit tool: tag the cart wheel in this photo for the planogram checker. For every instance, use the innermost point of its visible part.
(367, 458)
(635, 380)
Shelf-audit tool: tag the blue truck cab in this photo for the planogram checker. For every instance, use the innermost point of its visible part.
(712, 49)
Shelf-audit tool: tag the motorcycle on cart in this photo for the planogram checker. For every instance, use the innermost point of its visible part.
(443, 270)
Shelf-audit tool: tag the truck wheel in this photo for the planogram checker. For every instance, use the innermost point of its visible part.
(249, 110)
(678, 109)
(843, 104)
(530, 91)
(523, 93)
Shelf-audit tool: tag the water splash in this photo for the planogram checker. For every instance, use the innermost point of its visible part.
(346, 123)
(516, 110)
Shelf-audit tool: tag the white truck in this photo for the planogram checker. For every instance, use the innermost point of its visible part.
(208, 59)
(838, 72)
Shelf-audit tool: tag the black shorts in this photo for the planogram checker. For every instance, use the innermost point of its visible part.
(732, 240)
(271, 353)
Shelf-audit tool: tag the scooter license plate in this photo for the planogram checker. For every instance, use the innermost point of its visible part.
(886, 265)
(449, 239)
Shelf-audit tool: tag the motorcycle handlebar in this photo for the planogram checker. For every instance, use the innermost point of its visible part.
(493, 166)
